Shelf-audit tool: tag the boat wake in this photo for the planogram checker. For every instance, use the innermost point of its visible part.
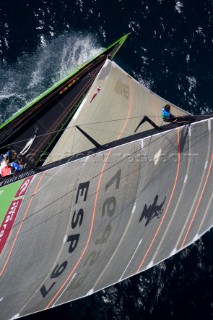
(20, 83)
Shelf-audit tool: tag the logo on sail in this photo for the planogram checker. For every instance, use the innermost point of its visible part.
(23, 188)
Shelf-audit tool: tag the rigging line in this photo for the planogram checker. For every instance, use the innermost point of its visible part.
(127, 132)
(101, 130)
(46, 134)
(72, 105)
(118, 119)
(17, 146)
(131, 118)
(54, 126)
(96, 64)
(70, 127)
(38, 136)
(39, 122)
(95, 129)
(161, 136)
(158, 138)
(56, 90)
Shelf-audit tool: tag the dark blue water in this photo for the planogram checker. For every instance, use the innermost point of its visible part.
(170, 50)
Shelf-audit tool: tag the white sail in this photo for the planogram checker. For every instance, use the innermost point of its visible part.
(121, 100)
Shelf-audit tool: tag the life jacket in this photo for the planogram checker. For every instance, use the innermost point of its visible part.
(2, 166)
(6, 171)
(16, 166)
(165, 114)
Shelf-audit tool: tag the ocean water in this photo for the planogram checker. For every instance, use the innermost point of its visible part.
(170, 50)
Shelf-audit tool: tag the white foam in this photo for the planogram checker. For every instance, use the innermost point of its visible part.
(54, 60)
(179, 6)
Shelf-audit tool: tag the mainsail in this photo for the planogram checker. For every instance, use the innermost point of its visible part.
(95, 216)
(121, 100)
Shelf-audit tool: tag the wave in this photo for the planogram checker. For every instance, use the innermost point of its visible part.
(54, 59)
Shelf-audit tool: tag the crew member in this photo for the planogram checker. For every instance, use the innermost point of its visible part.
(11, 164)
(5, 169)
(166, 114)
(16, 166)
